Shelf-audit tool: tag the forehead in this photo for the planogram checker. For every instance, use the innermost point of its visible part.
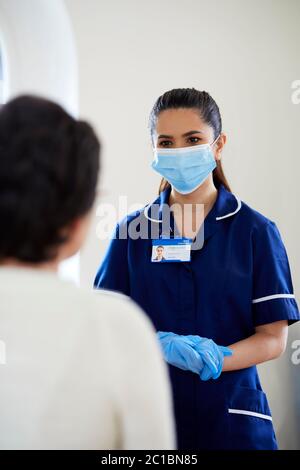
(179, 121)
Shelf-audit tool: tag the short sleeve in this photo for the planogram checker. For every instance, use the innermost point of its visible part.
(273, 298)
(113, 273)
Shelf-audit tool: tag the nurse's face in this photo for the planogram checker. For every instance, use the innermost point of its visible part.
(183, 127)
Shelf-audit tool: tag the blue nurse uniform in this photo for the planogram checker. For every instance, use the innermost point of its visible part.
(239, 279)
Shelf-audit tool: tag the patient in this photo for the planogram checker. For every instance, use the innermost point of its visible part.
(79, 370)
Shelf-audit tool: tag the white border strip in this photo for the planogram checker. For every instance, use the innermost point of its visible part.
(275, 296)
(250, 413)
(179, 150)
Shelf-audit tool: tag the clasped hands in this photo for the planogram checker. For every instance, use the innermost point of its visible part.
(194, 353)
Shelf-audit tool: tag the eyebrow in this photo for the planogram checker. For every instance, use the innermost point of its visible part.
(186, 134)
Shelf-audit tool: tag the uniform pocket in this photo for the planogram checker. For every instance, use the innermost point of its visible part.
(249, 419)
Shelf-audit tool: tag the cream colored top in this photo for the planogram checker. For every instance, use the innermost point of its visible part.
(78, 369)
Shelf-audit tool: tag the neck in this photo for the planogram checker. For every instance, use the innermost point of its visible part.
(206, 194)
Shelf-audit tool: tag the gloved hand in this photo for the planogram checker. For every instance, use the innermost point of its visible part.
(194, 353)
(212, 356)
(178, 351)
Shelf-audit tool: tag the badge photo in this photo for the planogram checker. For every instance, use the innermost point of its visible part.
(171, 250)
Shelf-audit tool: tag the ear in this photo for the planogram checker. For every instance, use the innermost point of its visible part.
(219, 146)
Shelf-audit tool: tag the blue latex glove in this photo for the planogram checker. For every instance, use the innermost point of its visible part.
(178, 351)
(206, 360)
(213, 358)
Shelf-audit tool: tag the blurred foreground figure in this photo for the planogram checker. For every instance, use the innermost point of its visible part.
(78, 369)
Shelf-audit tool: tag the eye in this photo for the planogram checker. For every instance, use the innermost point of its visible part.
(194, 140)
(165, 143)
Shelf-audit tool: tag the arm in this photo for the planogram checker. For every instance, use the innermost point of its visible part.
(113, 270)
(271, 316)
(268, 342)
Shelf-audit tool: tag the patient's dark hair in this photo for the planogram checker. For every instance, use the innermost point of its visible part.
(49, 165)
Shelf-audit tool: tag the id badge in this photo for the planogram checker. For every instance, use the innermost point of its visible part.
(171, 250)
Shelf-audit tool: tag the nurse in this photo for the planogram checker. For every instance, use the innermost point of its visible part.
(222, 300)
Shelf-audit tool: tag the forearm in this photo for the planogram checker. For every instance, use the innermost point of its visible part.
(258, 348)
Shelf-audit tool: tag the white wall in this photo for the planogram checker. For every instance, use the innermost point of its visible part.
(246, 54)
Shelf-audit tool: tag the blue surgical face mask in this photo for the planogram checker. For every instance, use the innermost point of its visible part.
(185, 168)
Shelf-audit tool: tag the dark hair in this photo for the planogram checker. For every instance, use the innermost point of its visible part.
(49, 165)
(208, 110)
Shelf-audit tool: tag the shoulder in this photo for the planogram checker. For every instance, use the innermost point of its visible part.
(243, 218)
(120, 312)
(253, 218)
(129, 330)
(262, 230)
(132, 216)
(109, 311)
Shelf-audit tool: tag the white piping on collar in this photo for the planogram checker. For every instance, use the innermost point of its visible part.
(239, 205)
(146, 210)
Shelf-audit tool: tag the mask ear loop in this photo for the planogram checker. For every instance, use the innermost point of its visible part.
(213, 143)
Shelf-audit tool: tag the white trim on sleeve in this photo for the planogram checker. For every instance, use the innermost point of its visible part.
(250, 413)
(275, 296)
